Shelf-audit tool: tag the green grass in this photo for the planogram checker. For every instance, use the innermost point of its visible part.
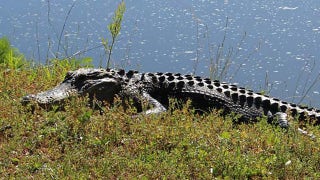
(10, 57)
(80, 143)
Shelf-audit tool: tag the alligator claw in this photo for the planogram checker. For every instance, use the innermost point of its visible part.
(27, 99)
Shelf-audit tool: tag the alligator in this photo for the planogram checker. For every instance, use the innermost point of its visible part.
(156, 88)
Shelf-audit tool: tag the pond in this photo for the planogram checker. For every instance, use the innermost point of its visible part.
(272, 45)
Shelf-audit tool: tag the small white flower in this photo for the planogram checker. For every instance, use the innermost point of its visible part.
(288, 163)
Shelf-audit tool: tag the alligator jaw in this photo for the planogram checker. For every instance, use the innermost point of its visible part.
(52, 96)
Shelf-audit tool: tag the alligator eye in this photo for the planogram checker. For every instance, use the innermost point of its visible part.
(68, 75)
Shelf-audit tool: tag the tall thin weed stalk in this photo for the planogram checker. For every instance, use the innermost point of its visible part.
(63, 42)
(307, 88)
(198, 48)
(114, 28)
(63, 28)
(220, 57)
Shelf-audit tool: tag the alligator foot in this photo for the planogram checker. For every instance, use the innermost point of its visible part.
(306, 133)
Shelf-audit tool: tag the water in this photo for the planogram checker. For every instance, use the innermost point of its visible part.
(279, 52)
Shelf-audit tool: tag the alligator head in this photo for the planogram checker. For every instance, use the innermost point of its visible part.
(96, 83)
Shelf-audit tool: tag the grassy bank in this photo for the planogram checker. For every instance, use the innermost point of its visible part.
(81, 143)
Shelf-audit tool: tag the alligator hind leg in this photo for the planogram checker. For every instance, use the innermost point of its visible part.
(157, 106)
(281, 118)
(283, 122)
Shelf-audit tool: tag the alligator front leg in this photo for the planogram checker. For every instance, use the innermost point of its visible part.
(157, 106)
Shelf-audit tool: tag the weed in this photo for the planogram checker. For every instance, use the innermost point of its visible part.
(10, 57)
(63, 27)
(114, 28)
(219, 55)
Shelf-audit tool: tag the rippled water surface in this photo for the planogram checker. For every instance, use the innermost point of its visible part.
(273, 44)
